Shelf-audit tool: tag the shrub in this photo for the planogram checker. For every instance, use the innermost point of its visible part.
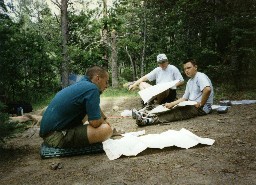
(7, 128)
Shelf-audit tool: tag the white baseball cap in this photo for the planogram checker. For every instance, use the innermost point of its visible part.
(161, 58)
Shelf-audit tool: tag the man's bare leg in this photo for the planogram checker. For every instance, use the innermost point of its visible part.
(144, 85)
(100, 134)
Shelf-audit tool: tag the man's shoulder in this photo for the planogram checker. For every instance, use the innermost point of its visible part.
(155, 70)
(201, 75)
(86, 82)
(84, 86)
(202, 78)
(172, 67)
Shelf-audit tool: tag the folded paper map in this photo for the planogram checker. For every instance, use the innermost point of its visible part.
(148, 93)
(162, 108)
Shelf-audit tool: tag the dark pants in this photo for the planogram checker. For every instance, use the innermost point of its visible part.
(172, 96)
(176, 114)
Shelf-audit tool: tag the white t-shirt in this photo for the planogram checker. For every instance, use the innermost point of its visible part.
(170, 74)
(195, 87)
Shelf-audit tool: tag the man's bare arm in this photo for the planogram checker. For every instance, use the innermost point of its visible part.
(172, 104)
(103, 115)
(142, 79)
(98, 122)
(180, 83)
(206, 93)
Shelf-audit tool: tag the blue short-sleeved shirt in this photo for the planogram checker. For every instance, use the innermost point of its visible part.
(70, 106)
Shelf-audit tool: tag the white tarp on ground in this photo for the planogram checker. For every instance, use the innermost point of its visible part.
(243, 102)
(132, 144)
(150, 92)
(239, 102)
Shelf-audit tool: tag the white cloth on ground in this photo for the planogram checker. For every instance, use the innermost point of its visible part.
(131, 145)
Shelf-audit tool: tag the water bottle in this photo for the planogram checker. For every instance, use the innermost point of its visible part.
(21, 111)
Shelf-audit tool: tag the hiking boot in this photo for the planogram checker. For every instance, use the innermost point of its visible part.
(144, 121)
(149, 107)
(142, 103)
(139, 120)
(135, 113)
(148, 121)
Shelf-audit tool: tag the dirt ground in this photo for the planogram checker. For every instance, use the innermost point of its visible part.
(230, 160)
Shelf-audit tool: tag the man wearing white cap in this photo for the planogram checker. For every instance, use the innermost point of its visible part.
(164, 73)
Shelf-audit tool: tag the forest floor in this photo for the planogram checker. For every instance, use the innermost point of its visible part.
(230, 160)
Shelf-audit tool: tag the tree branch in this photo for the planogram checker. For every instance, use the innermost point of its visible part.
(56, 3)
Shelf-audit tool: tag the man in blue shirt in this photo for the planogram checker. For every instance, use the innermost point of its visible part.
(62, 123)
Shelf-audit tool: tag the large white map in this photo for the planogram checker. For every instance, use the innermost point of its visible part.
(148, 93)
(134, 143)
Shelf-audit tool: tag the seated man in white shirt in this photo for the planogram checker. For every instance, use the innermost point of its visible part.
(163, 73)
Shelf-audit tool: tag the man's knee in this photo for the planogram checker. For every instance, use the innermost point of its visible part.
(107, 131)
(99, 134)
(144, 85)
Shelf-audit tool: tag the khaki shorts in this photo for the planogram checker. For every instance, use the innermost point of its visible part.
(71, 138)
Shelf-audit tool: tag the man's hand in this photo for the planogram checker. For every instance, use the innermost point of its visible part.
(98, 122)
(131, 87)
(172, 104)
(198, 105)
(169, 105)
(137, 83)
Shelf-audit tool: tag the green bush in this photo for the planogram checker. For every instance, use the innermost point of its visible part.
(4, 131)
(127, 74)
(7, 128)
(3, 116)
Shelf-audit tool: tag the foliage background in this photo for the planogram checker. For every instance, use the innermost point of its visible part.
(220, 35)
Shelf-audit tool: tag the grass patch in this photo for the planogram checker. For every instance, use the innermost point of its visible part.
(40, 104)
(9, 129)
(229, 93)
(117, 92)
(109, 92)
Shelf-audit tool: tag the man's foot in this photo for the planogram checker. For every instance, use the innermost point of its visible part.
(142, 103)
(117, 132)
(149, 107)
(138, 120)
(144, 121)
(135, 113)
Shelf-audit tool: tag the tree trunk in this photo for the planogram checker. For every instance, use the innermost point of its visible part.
(114, 60)
(134, 71)
(105, 35)
(144, 42)
(64, 33)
